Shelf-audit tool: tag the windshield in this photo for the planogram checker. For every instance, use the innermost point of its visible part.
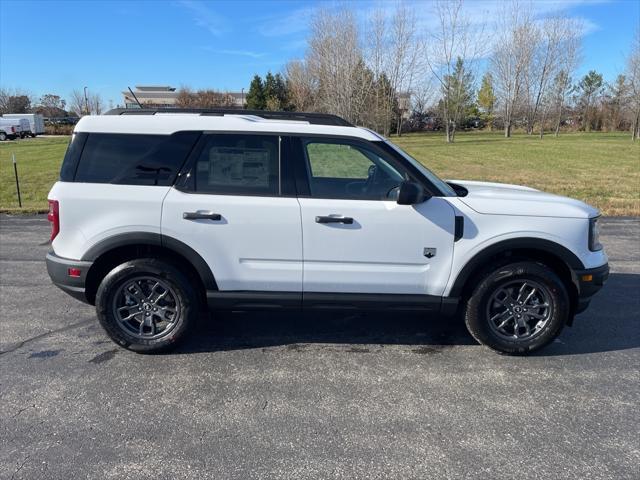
(444, 187)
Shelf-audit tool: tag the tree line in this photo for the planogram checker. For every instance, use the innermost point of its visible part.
(51, 105)
(392, 73)
(360, 71)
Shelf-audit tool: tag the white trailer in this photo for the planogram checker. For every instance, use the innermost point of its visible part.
(36, 121)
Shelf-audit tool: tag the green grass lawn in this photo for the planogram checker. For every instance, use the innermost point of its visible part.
(39, 162)
(600, 168)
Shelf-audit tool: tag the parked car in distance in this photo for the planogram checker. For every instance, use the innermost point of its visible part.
(160, 214)
(36, 121)
(9, 129)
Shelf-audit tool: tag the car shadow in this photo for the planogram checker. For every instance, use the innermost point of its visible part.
(611, 323)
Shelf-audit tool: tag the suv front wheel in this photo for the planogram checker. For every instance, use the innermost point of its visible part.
(518, 308)
(146, 305)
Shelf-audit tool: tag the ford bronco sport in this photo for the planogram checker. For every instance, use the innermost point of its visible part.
(158, 214)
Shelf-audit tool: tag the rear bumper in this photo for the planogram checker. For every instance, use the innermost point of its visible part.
(589, 282)
(58, 269)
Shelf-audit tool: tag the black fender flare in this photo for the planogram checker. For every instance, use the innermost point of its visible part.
(529, 243)
(155, 240)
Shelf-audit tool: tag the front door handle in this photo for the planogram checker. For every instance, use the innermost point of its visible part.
(330, 219)
(202, 215)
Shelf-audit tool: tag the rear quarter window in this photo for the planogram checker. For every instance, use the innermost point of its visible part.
(132, 159)
(71, 158)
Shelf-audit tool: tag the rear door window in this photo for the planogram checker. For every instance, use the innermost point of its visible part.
(132, 159)
(238, 164)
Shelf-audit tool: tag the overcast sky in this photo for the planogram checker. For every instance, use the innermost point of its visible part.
(56, 46)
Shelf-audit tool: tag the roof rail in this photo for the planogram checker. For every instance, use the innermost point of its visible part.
(312, 118)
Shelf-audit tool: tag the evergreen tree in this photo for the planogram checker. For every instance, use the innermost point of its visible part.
(590, 89)
(275, 92)
(457, 98)
(255, 96)
(487, 98)
(616, 100)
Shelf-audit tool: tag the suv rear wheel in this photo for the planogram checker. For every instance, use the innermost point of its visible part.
(146, 305)
(518, 308)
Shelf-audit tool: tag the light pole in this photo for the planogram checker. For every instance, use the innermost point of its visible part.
(242, 96)
(86, 101)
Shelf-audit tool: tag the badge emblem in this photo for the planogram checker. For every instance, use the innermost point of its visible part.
(429, 252)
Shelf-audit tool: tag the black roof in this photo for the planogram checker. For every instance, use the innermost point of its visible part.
(313, 118)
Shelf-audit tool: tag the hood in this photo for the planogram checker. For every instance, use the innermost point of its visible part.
(505, 199)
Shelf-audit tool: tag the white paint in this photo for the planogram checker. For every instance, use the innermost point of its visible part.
(382, 251)
(256, 246)
(166, 124)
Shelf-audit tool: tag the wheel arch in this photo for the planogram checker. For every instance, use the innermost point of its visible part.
(557, 257)
(115, 250)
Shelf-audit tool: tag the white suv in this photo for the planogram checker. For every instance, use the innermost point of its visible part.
(160, 213)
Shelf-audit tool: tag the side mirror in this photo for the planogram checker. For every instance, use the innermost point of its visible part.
(411, 193)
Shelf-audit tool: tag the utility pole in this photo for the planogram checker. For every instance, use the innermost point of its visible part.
(86, 101)
(242, 96)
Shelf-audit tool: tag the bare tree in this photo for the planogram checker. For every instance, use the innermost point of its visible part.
(4, 100)
(452, 49)
(187, 98)
(393, 60)
(96, 105)
(301, 85)
(335, 59)
(92, 104)
(633, 76)
(511, 59)
(77, 103)
(15, 100)
(554, 47)
(569, 57)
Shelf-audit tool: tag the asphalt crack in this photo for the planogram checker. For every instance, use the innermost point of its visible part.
(21, 344)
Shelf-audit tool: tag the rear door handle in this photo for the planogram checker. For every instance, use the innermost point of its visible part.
(330, 219)
(202, 215)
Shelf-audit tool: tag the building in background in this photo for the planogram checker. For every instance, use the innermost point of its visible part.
(151, 96)
(157, 96)
(404, 105)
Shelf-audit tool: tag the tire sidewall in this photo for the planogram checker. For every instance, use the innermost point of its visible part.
(476, 316)
(169, 274)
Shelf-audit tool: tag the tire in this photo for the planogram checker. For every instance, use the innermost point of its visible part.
(3, 136)
(507, 313)
(127, 312)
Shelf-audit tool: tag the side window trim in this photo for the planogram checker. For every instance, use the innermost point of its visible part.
(186, 179)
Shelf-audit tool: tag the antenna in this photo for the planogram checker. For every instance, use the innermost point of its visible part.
(135, 98)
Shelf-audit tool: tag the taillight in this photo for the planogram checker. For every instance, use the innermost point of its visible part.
(74, 272)
(54, 217)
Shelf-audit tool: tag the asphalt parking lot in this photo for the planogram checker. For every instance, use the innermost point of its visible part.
(313, 396)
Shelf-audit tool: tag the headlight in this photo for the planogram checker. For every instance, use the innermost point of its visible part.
(594, 235)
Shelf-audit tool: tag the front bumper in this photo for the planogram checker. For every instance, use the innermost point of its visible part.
(589, 282)
(58, 269)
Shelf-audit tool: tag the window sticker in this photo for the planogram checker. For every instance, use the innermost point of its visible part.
(239, 166)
